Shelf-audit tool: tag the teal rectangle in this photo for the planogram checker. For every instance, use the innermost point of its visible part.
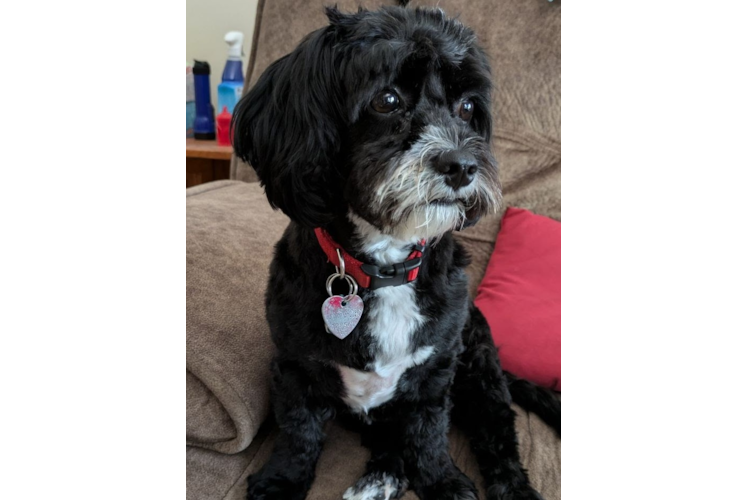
(654, 323)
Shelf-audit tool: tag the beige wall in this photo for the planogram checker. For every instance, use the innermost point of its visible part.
(207, 23)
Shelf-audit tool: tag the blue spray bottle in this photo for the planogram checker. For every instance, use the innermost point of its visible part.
(232, 82)
(205, 125)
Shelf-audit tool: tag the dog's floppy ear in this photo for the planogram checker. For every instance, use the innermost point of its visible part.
(287, 127)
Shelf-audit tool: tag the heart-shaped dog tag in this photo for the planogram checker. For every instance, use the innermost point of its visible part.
(342, 314)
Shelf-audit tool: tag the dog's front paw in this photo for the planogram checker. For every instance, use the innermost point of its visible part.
(453, 487)
(502, 492)
(260, 487)
(376, 486)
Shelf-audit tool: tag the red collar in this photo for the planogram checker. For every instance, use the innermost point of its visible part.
(368, 275)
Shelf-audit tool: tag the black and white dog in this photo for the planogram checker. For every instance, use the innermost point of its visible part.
(373, 137)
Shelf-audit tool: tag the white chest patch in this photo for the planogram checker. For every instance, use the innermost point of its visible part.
(393, 318)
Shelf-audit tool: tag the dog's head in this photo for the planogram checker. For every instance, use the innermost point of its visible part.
(384, 114)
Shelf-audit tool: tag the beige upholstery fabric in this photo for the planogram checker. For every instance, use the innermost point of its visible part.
(231, 231)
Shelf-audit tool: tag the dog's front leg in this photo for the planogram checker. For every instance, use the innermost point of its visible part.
(411, 451)
(429, 467)
(289, 472)
(424, 445)
(384, 478)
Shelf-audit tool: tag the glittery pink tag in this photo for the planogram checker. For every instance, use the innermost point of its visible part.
(342, 314)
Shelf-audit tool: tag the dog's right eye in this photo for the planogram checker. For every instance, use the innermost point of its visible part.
(385, 102)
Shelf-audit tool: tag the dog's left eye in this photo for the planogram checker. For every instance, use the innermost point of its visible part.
(385, 102)
(466, 110)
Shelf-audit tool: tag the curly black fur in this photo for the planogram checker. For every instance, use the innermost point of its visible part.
(327, 159)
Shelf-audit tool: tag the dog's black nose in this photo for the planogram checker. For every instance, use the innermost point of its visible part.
(458, 167)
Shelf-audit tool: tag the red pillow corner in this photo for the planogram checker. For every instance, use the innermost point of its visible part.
(520, 296)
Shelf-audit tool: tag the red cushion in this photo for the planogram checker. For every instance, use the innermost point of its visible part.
(520, 296)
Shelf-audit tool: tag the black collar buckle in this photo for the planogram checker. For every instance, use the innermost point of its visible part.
(396, 274)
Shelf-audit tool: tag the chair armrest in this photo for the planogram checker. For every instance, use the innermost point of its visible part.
(231, 232)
